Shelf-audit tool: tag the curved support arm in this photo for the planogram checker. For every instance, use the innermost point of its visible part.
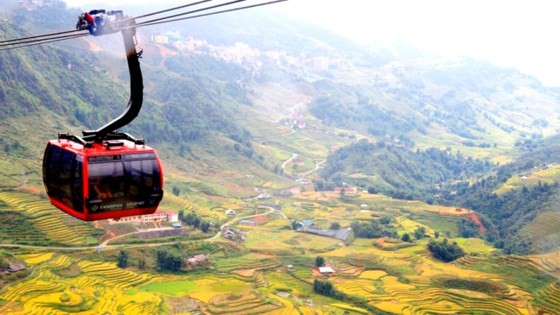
(136, 91)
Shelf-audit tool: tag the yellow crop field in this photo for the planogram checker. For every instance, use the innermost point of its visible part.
(410, 225)
(391, 306)
(37, 258)
(349, 308)
(474, 245)
(372, 274)
(252, 276)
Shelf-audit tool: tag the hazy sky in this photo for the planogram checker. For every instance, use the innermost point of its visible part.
(521, 34)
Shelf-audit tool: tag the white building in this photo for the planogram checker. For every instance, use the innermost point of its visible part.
(159, 216)
(326, 270)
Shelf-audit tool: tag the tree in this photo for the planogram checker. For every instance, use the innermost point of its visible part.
(517, 245)
(168, 261)
(420, 232)
(196, 222)
(372, 190)
(468, 228)
(122, 259)
(324, 288)
(342, 192)
(319, 261)
(405, 237)
(436, 234)
(335, 226)
(205, 226)
(176, 190)
(445, 251)
(386, 219)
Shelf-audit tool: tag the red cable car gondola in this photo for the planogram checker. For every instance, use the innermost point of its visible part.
(103, 174)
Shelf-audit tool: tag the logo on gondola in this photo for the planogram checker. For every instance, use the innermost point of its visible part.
(112, 206)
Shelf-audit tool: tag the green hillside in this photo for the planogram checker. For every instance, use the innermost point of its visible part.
(400, 171)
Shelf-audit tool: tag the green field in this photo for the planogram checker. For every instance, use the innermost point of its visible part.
(173, 288)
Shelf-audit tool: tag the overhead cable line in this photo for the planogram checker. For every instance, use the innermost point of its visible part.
(59, 36)
(49, 36)
(148, 23)
(171, 9)
(46, 41)
(37, 36)
(188, 12)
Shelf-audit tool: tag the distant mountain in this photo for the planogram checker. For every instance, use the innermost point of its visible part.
(475, 103)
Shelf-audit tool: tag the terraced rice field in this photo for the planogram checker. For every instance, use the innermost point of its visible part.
(547, 176)
(403, 298)
(53, 223)
(279, 281)
(549, 298)
(249, 261)
(177, 203)
(98, 288)
(243, 303)
(545, 227)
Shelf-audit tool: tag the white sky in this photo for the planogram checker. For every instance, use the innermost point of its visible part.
(518, 33)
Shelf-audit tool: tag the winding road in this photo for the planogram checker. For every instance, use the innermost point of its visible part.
(105, 244)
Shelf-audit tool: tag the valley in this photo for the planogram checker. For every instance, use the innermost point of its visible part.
(303, 175)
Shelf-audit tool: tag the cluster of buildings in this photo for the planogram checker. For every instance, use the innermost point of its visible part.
(35, 4)
(242, 53)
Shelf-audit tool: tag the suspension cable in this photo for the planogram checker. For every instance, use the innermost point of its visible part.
(48, 39)
(149, 23)
(171, 9)
(59, 36)
(190, 12)
(37, 36)
(45, 41)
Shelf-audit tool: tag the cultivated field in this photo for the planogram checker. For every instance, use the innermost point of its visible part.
(273, 269)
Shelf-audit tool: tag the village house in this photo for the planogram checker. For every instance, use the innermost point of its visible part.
(15, 267)
(230, 212)
(159, 216)
(347, 190)
(345, 235)
(305, 225)
(326, 270)
(197, 260)
(263, 196)
(248, 222)
(12, 268)
(229, 234)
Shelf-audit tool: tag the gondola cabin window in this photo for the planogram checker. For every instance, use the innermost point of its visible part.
(120, 182)
(63, 177)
